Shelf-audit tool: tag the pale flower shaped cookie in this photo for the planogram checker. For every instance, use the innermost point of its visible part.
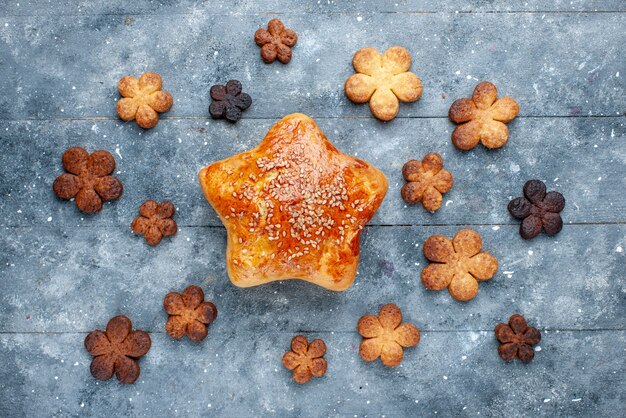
(142, 98)
(383, 81)
(385, 335)
(458, 264)
(482, 118)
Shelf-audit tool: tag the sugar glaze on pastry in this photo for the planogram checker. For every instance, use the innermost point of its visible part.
(294, 207)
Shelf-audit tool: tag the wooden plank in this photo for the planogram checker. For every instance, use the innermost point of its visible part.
(582, 158)
(51, 8)
(234, 373)
(47, 72)
(63, 274)
(58, 279)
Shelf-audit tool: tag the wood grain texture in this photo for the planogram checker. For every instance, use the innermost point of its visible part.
(63, 274)
(553, 65)
(221, 7)
(163, 163)
(452, 374)
(78, 276)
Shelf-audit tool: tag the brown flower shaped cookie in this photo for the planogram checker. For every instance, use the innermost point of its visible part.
(482, 118)
(228, 101)
(427, 181)
(88, 179)
(383, 81)
(142, 98)
(275, 42)
(516, 339)
(457, 264)
(188, 314)
(384, 336)
(306, 360)
(117, 350)
(538, 209)
(155, 221)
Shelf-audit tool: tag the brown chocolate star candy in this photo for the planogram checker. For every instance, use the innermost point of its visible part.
(188, 314)
(88, 179)
(117, 350)
(155, 221)
(516, 339)
(306, 360)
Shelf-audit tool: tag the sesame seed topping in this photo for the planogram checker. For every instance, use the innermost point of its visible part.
(296, 205)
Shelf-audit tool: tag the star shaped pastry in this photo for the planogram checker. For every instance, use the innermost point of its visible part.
(293, 207)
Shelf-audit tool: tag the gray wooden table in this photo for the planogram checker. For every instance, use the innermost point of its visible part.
(63, 274)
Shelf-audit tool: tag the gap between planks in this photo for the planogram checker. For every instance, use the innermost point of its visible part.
(319, 12)
(268, 118)
(48, 226)
(313, 331)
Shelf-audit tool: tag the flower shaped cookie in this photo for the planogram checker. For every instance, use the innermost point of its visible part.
(275, 42)
(383, 81)
(457, 264)
(306, 360)
(516, 339)
(228, 101)
(538, 209)
(384, 336)
(482, 118)
(142, 98)
(188, 314)
(88, 179)
(155, 221)
(427, 181)
(117, 350)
